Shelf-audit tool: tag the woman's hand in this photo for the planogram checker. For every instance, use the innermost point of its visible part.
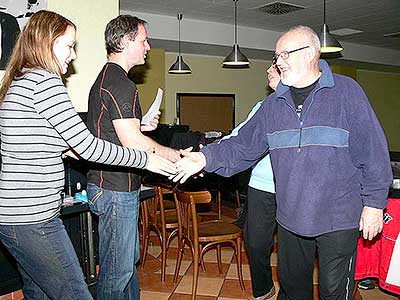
(160, 165)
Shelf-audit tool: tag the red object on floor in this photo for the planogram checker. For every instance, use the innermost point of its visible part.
(375, 257)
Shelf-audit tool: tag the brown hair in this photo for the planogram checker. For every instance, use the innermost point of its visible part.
(119, 27)
(34, 47)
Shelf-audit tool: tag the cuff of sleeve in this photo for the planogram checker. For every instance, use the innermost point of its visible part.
(375, 204)
(207, 154)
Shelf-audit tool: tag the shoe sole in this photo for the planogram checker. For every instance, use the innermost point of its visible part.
(366, 287)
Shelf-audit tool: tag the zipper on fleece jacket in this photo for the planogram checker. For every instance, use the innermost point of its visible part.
(301, 124)
(301, 130)
(301, 116)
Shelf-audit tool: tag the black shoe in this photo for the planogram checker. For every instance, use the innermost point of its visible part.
(366, 284)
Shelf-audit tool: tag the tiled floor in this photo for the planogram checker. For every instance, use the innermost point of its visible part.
(212, 285)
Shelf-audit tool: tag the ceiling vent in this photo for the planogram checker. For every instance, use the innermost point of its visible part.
(278, 8)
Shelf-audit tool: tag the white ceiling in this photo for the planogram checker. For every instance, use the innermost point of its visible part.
(374, 18)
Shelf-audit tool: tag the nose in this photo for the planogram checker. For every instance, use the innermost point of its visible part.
(147, 46)
(73, 54)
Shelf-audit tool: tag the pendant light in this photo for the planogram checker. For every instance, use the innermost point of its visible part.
(236, 57)
(179, 67)
(328, 43)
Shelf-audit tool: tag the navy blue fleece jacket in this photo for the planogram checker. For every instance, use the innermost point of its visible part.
(328, 163)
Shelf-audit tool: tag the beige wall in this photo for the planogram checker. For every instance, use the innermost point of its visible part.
(345, 70)
(208, 76)
(90, 17)
(383, 90)
(149, 78)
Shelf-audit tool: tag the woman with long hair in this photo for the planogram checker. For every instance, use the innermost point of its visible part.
(37, 124)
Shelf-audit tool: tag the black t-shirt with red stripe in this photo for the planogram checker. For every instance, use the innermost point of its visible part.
(112, 96)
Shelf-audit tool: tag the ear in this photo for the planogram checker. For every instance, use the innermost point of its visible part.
(124, 42)
(311, 54)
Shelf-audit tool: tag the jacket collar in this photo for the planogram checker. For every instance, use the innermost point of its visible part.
(326, 79)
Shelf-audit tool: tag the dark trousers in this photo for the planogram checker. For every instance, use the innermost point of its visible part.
(336, 259)
(259, 238)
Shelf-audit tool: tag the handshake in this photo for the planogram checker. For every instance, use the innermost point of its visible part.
(178, 165)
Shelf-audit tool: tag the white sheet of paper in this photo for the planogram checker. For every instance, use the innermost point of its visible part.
(154, 108)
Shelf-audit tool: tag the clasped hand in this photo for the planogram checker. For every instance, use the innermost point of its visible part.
(191, 163)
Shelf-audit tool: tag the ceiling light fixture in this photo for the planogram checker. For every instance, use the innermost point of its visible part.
(236, 57)
(179, 67)
(328, 43)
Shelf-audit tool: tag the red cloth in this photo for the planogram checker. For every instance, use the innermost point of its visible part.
(374, 257)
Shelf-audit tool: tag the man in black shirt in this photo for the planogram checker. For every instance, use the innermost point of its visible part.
(114, 114)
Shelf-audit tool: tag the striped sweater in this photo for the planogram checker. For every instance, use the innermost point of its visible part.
(38, 123)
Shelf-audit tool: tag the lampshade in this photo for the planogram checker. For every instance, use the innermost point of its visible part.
(328, 43)
(179, 67)
(236, 57)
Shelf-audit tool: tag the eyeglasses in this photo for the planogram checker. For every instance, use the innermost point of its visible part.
(285, 54)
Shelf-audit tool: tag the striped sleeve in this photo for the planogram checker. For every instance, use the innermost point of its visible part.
(52, 102)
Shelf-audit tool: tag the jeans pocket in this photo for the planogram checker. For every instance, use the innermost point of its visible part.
(96, 197)
(8, 234)
(95, 203)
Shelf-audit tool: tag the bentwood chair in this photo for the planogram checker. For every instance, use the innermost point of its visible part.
(200, 237)
(158, 215)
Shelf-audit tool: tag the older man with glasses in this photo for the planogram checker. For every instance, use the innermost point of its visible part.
(330, 161)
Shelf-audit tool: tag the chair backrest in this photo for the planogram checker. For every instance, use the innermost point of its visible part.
(154, 206)
(187, 217)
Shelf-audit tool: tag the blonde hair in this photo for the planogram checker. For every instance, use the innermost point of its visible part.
(34, 47)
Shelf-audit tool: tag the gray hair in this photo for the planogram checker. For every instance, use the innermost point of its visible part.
(310, 33)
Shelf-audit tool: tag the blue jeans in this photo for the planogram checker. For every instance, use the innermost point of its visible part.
(46, 260)
(119, 249)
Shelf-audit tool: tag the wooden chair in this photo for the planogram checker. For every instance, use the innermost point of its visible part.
(201, 237)
(158, 215)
